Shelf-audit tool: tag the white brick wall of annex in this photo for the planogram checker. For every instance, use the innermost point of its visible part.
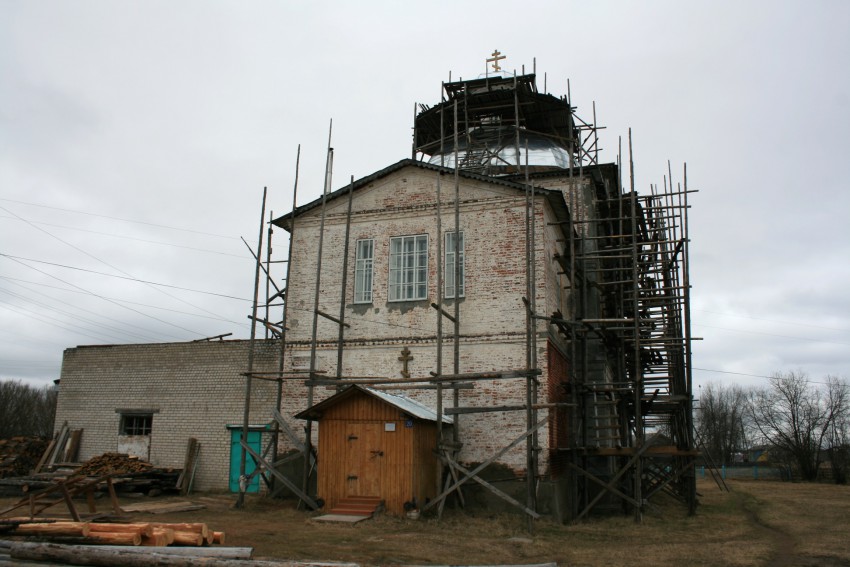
(194, 388)
(492, 315)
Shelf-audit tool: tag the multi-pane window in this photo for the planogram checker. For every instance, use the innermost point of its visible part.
(409, 268)
(450, 264)
(363, 265)
(136, 424)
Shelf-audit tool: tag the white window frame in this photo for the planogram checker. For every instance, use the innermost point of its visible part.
(364, 270)
(408, 270)
(136, 424)
(449, 265)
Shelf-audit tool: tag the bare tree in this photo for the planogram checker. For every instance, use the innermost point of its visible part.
(796, 417)
(838, 436)
(26, 410)
(721, 421)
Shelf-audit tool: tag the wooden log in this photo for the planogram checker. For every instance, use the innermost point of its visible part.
(158, 539)
(220, 552)
(166, 533)
(198, 528)
(138, 556)
(115, 538)
(188, 538)
(55, 529)
(214, 538)
(143, 529)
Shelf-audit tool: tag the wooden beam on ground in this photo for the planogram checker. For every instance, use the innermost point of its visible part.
(109, 556)
(220, 552)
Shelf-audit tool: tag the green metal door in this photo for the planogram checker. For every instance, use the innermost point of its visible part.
(254, 441)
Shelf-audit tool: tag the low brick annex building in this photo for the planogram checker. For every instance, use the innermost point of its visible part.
(149, 399)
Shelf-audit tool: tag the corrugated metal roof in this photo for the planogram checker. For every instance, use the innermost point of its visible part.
(408, 406)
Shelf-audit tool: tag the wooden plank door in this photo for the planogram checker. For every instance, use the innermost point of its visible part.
(363, 459)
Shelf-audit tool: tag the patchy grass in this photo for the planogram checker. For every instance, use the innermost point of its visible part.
(758, 523)
(815, 517)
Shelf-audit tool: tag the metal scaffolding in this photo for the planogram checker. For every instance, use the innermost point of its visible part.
(623, 409)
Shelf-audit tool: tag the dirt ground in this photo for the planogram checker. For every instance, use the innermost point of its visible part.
(757, 523)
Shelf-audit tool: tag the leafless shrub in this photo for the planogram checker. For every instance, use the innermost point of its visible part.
(720, 421)
(26, 410)
(798, 418)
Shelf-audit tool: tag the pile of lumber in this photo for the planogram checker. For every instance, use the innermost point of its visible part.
(131, 474)
(112, 464)
(63, 448)
(146, 533)
(19, 455)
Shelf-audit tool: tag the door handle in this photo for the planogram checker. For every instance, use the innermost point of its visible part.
(352, 477)
(377, 453)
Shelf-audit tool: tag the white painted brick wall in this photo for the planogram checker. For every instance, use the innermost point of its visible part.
(492, 314)
(196, 388)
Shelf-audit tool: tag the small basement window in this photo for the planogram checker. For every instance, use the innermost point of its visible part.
(136, 424)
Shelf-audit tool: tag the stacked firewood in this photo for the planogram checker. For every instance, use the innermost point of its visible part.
(19, 455)
(112, 463)
(147, 533)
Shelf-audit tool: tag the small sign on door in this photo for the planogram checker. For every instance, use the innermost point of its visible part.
(389, 426)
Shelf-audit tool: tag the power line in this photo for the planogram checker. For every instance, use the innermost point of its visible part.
(728, 372)
(54, 309)
(10, 256)
(64, 289)
(751, 375)
(117, 218)
(772, 335)
(112, 234)
(102, 297)
(104, 262)
(34, 315)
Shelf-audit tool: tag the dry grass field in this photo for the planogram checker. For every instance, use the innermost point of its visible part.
(758, 523)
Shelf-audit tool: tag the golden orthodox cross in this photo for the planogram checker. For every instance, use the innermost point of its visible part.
(495, 58)
(405, 358)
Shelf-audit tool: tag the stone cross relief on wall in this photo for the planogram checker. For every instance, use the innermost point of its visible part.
(405, 358)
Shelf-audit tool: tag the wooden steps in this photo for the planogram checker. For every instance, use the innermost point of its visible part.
(357, 506)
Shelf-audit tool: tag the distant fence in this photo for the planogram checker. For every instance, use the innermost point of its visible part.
(754, 472)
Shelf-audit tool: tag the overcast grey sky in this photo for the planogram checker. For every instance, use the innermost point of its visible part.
(136, 138)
